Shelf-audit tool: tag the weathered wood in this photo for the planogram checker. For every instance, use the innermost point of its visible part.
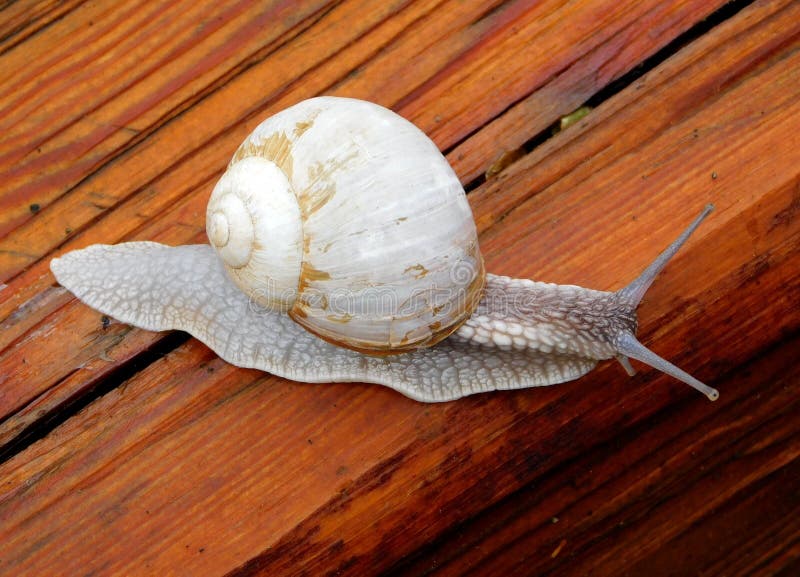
(191, 466)
(193, 176)
(105, 158)
(23, 19)
(693, 483)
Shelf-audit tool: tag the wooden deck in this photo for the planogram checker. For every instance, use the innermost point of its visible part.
(127, 453)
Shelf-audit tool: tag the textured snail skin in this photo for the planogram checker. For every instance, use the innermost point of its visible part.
(110, 278)
(522, 334)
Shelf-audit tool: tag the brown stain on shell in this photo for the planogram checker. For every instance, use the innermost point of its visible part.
(341, 319)
(301, 127)
(303, 314)
(322, 186)
(472, 296)
(309, 274)
(418, 271)
(301, 317)
(320, 190)
(277, 147)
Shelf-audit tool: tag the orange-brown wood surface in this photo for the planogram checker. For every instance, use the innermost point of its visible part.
(124, 452)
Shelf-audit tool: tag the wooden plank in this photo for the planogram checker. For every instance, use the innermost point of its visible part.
(451, 35)
(21, 20)
(684, 481)
(93, 162)
(198, 465)
(569, 88)
(103, 98)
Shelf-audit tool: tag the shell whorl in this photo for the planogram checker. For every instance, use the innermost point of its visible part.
(253, 221)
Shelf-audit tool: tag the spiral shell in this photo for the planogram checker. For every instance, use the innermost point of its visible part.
(348, 217)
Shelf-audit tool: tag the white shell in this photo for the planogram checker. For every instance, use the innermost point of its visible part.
(378, 250)
(258, 235)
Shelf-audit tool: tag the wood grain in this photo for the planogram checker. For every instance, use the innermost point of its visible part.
(133, 453)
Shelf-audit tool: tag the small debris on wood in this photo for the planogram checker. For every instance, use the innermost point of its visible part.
(506, 159)
(572, 118)
(558, 549)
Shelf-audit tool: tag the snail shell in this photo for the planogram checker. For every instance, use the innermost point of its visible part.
(347, 216)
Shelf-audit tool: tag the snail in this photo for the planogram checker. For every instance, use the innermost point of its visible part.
(343, 248)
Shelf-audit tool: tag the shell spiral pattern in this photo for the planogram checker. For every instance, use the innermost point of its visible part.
(347, 216)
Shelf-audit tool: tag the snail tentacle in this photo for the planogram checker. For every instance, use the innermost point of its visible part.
(523, 314)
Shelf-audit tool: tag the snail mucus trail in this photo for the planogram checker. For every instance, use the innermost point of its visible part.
(336, 196)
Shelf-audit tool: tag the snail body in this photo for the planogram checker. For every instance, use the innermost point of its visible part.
(343, 249)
